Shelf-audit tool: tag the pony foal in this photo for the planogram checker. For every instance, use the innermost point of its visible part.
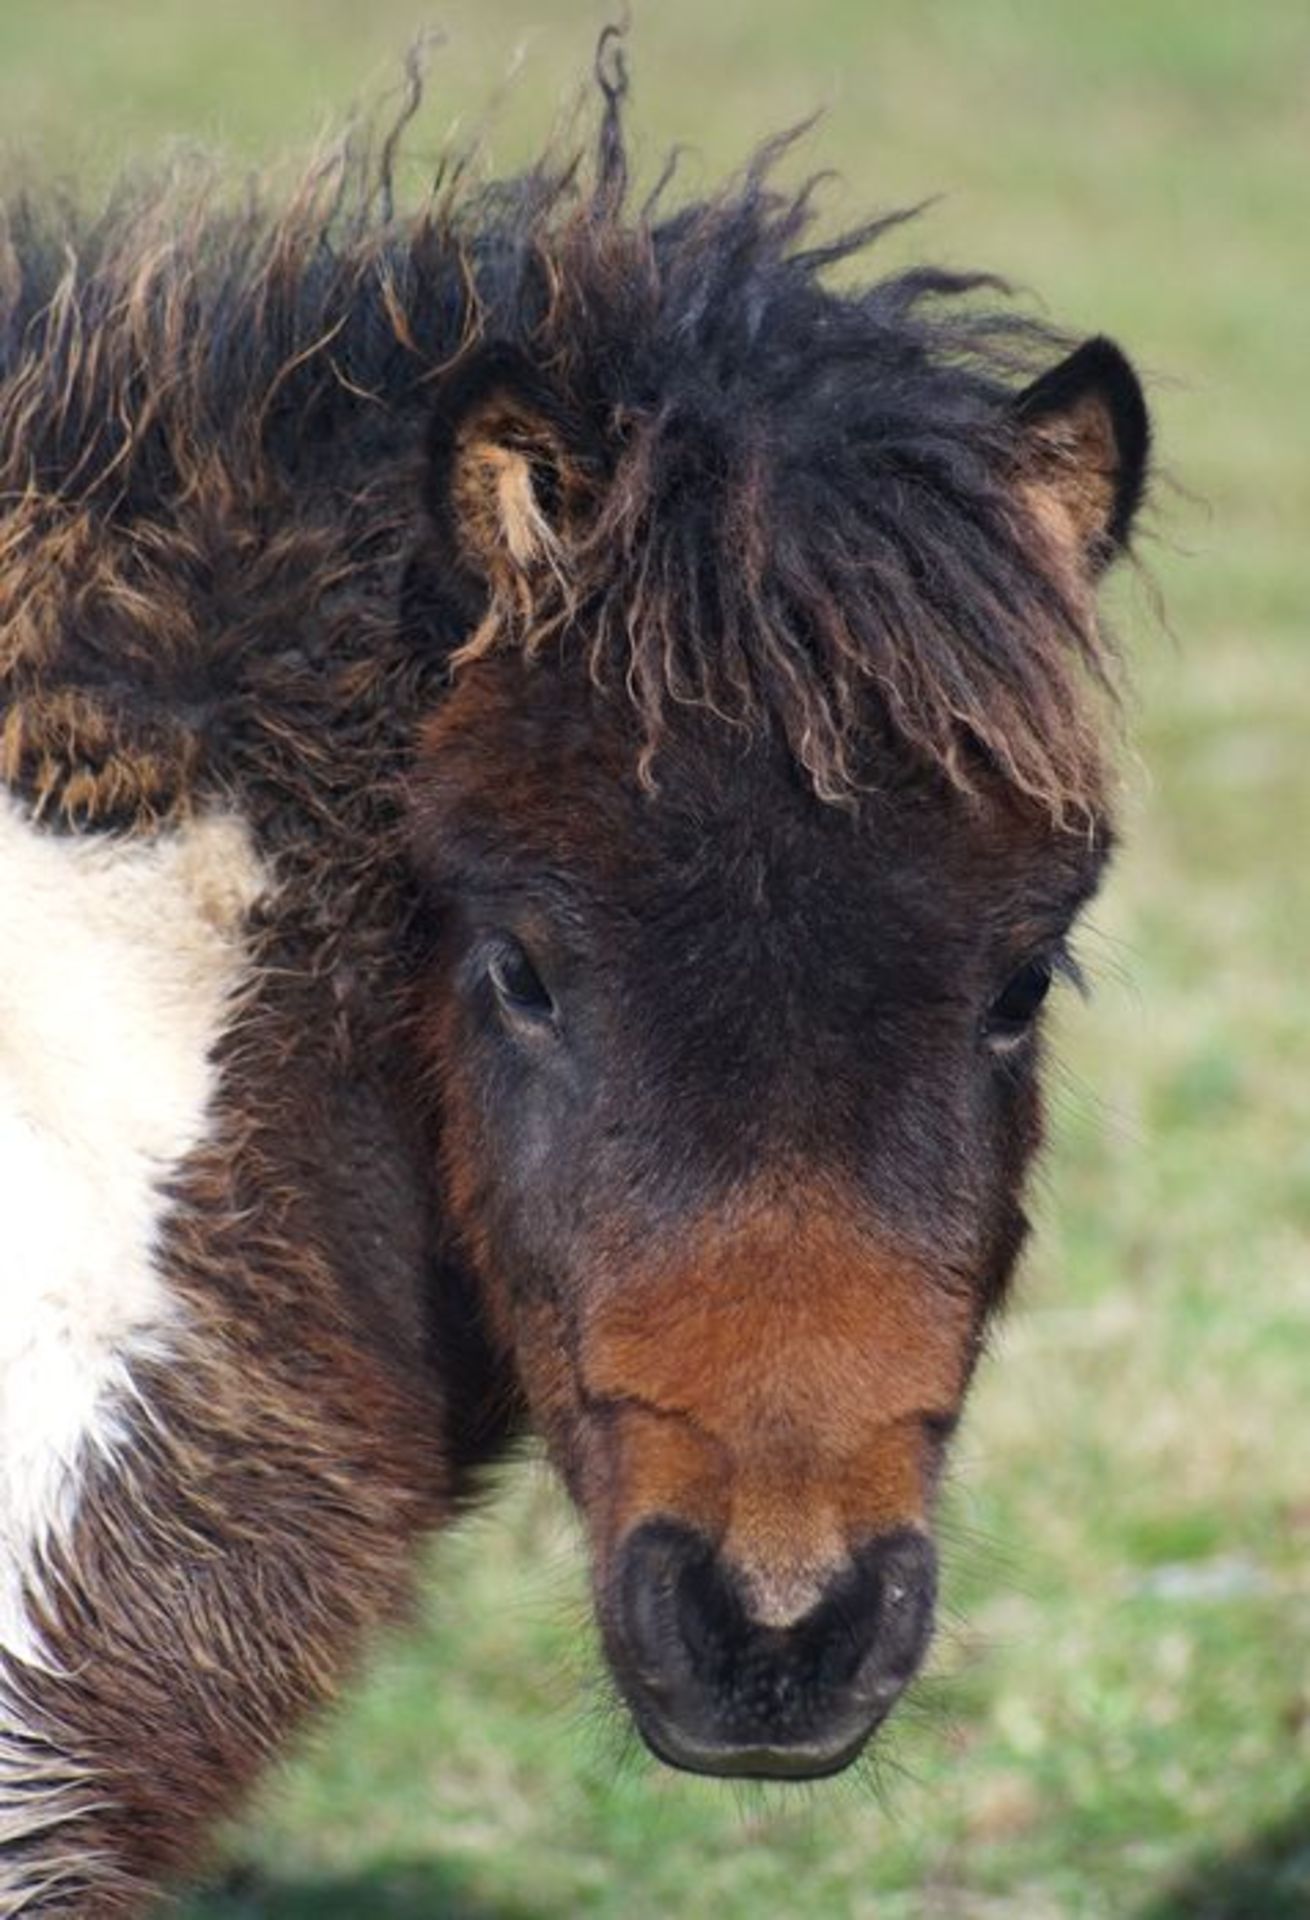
(550, 756)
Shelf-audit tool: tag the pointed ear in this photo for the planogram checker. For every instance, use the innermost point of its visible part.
(504, 481)
(1084, 439)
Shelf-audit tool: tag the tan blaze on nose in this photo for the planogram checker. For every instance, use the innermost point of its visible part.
(769, 1382)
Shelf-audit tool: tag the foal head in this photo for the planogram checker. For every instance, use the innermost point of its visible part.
(754, 824)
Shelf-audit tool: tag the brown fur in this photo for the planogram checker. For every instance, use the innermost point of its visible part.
(769, 1384)
(1069, 478)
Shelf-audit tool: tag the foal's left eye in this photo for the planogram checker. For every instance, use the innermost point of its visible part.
(518, 986)
(1018, 1003)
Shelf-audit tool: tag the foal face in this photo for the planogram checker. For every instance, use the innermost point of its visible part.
(737, 1092)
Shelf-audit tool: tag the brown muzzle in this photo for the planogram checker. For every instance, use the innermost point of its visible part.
(759, 1485)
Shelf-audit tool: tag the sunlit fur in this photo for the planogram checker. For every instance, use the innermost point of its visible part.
(788, 492)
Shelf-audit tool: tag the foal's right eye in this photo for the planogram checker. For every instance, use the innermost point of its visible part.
(1019, 1002)
(518, 986)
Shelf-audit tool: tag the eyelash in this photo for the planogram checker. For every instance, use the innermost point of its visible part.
(1065, 966)
(1006, 1027)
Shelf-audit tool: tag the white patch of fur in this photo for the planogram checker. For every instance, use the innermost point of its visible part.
(119, 962)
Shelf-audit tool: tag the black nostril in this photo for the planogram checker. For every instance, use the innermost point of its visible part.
(871, 1626)
(709, 1609)
(902, 1567)
(674, 1603)
(838, 1647)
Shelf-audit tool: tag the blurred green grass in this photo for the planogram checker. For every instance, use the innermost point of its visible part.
(1118, 1720)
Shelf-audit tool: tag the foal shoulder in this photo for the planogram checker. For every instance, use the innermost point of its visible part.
(121, 964)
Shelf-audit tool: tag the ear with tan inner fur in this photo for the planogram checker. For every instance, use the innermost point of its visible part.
(1083, 444)
(505, 481)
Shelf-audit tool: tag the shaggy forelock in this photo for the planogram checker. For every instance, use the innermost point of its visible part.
(800, 507)
(804, 509)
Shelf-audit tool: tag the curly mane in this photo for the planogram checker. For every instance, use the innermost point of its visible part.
(798, 498)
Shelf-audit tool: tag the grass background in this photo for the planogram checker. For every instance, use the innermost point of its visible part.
(1118, 1718)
